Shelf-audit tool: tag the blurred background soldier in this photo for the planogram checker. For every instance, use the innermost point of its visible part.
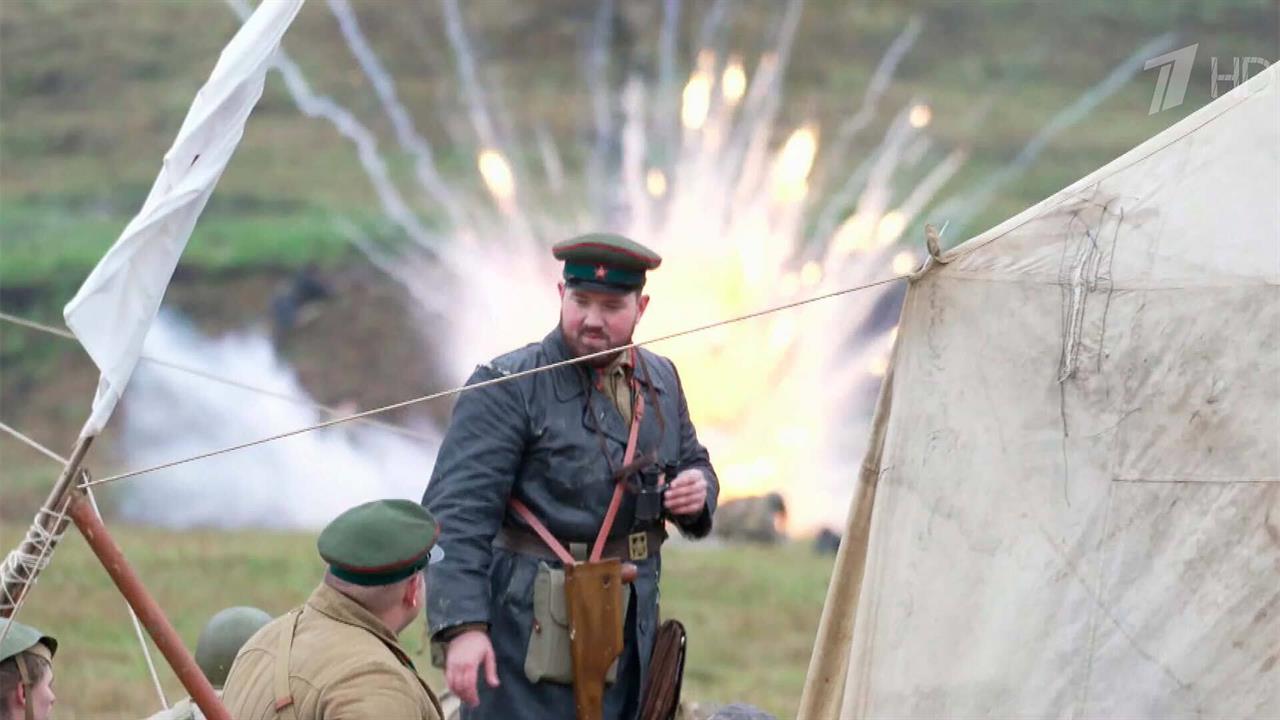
(759, 519)
(26, 673)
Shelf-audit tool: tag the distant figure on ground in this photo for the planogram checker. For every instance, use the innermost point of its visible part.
(26, 673)
(337, 657)
(222, 637)
(827, 542)
(742, 711)
(716, 711)
(304, 287)
(758, 519)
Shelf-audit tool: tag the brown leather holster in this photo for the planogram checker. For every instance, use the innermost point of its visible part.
(593, 591)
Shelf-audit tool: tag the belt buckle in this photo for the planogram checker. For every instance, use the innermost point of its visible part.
(638, 543)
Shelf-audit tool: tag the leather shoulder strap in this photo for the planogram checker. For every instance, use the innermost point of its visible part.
(628, 456)
(619, 488)
(555, 545)
(24, 676)
(285, 708)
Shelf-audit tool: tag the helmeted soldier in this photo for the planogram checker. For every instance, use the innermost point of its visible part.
(26, 672)
(220, 639)
(337, 657)
(223, 636)
(547, 452)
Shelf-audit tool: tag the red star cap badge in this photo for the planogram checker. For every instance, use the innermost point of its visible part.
(601, 272)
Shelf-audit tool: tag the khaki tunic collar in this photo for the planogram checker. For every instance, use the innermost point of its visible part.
(333, 604)
(615, 382)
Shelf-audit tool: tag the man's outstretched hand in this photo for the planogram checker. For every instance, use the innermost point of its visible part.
(463, 658)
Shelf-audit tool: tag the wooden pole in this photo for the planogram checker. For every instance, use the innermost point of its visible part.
(145, 607)
(18, 583)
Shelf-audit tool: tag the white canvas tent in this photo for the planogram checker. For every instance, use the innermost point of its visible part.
(1070, 505)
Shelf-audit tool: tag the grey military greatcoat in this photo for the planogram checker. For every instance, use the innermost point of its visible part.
(543, 439)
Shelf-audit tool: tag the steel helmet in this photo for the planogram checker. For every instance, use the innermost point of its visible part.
(21, 638)
(223, 636)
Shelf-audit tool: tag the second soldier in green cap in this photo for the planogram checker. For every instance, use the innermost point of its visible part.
(552, 444)
(338, 655)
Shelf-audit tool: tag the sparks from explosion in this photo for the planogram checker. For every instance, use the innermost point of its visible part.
(775, 399)
(747, 213)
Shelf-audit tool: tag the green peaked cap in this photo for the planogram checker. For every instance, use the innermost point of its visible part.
(605, 261)
(22, 638)
(380, 542)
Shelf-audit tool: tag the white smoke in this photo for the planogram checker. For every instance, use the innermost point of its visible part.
(298, 482)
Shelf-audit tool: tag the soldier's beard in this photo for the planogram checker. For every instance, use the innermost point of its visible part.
(586, 342)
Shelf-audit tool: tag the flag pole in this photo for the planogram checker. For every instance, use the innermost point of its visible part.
(144, 606)
(113, 310)
(42, 536)
(68, 502)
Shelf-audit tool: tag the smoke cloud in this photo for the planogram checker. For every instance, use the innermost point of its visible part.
(298, 482)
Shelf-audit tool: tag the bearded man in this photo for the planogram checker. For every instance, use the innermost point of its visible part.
(547, 449)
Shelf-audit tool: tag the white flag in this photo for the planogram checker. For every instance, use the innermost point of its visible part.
(113, 310)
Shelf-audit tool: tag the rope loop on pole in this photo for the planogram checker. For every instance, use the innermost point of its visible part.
(27, 566)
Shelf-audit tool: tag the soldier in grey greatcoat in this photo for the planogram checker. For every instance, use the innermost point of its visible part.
(554, 441)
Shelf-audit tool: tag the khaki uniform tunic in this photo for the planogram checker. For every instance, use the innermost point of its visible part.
(344, 665)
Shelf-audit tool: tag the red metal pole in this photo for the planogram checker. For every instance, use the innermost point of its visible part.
(145, 607)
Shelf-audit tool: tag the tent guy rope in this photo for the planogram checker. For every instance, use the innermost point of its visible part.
(495, 381)
(59, 332)
(33, 444)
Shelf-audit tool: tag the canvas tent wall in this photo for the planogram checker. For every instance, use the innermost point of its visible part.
(1070, 506)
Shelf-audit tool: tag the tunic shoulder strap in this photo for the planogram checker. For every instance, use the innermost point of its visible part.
(285, 708)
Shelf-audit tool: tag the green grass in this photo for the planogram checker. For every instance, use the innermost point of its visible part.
(43, 242)
(27, 480)
(751, 612)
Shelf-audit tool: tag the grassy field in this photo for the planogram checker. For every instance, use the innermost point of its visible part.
(751, 612)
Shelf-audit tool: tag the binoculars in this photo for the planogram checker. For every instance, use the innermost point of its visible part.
(650, 487)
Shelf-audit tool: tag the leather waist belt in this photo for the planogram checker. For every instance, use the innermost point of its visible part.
(628, 548)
